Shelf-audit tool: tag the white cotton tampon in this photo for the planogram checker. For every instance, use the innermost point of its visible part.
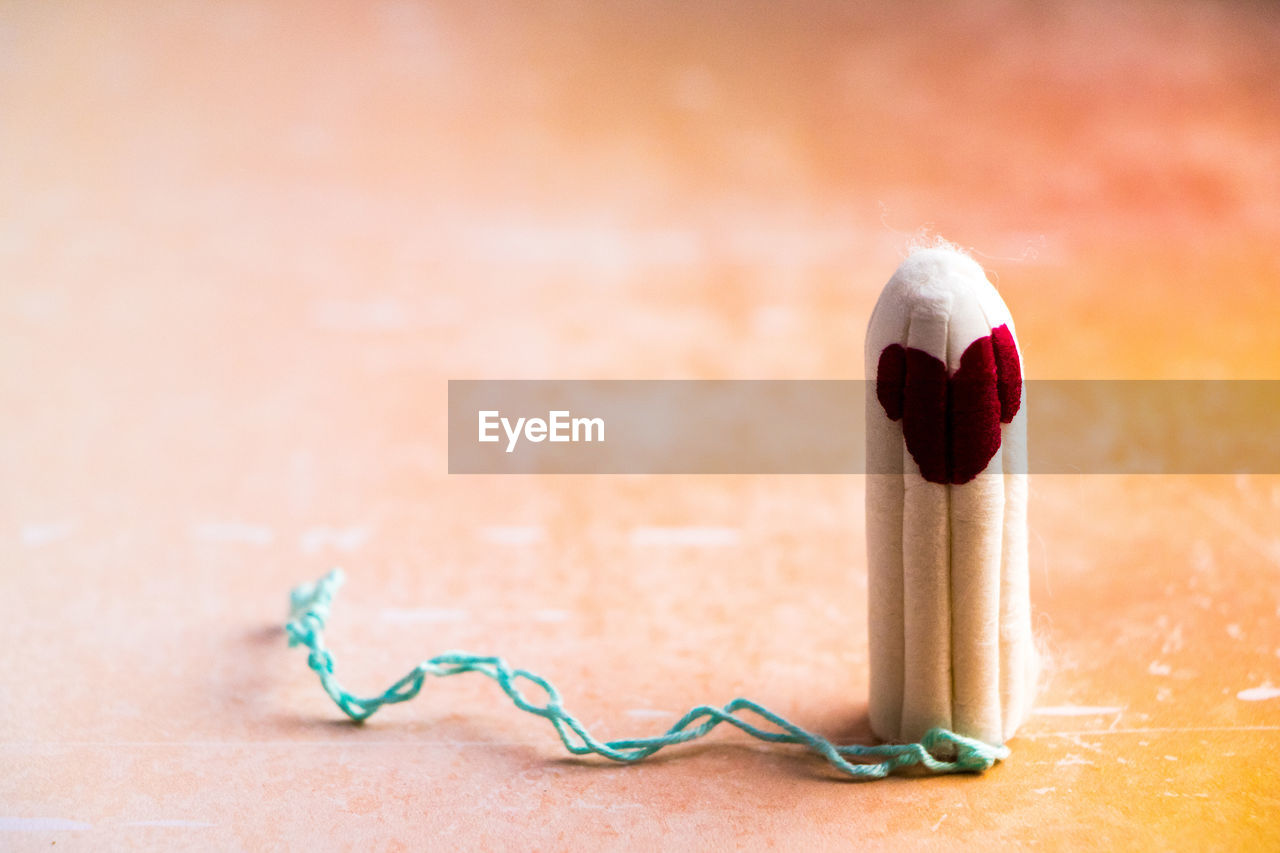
(949, 607)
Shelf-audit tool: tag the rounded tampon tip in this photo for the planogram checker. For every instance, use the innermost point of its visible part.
(932, 269)
(931, 281)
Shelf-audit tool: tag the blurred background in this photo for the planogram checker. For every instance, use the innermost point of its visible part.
(244, 245)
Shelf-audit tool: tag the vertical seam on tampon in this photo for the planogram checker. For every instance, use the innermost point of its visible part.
(946, 420)
(902, 559)
(1004, 508)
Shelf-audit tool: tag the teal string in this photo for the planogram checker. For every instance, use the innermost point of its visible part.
(939, 751)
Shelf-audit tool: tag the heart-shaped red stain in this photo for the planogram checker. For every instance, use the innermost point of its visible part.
(951, 424)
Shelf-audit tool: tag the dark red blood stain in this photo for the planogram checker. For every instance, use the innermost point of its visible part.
(951, 424)
(1008, 371)
(891, 377)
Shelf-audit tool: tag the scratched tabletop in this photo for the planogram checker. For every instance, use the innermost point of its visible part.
(244, 246)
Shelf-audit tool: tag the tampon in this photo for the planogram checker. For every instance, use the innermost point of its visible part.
(949, 606)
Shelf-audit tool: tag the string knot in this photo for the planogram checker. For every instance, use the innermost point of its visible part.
(965, 753)
(321, 661)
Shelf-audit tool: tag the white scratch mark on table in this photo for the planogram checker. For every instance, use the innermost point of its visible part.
(1259, 694)
(1073, 760)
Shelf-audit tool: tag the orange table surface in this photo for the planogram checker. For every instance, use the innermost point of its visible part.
(244, 246)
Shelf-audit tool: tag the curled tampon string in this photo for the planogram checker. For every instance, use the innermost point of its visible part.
(309, 613)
